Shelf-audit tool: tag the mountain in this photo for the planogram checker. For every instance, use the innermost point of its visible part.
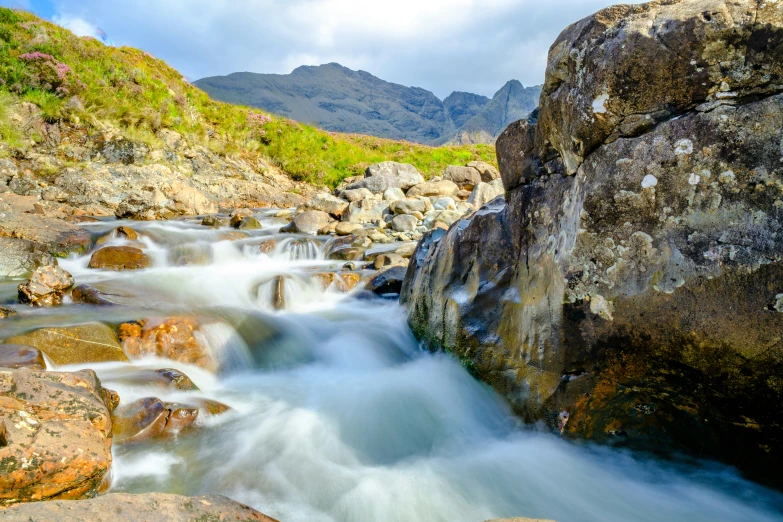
(85, 89)
(339, 99)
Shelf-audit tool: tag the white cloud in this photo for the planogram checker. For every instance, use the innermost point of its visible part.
(441, 45)
(78, 26)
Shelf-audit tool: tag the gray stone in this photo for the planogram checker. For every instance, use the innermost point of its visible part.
(434, 188)
(404, 223)
(308, 222)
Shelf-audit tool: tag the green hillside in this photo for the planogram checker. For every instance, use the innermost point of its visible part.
(79, 79)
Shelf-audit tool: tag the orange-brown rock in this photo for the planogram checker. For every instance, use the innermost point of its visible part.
(149, 507)
(342, 281)
(172, 338)
(119, 258)
(56, 441)
(21, 356)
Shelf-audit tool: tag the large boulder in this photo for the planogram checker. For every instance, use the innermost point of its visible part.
(389, 174)
(637, 301)
(150, 507)
(79, 344)
(55, 430)
(46, 286)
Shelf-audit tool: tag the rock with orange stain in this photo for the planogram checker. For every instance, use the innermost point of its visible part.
(55, 435)
(174, 338)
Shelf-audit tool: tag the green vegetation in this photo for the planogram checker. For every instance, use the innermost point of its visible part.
(81, 80)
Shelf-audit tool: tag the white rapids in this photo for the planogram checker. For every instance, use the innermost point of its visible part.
(339, 415)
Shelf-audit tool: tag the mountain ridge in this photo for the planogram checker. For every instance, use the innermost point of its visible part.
(340, 99)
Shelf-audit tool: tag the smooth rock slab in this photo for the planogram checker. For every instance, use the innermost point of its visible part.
(56, 432)
(84, 343)
(119, 258)
(149, 507)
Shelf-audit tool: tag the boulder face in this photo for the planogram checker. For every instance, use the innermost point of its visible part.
(636, 301)
(55, 430)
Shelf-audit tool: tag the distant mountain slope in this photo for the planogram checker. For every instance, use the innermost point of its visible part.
(511, 103)
(339, 99)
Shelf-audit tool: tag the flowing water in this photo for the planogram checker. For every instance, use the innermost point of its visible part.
(339, 415)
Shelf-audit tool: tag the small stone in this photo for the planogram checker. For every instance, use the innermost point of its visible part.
(6, 312)
(404, 223)
(385, 260)
(236, 217)
(345, 228)
(249, 223)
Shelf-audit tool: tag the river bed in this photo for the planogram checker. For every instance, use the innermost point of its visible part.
(338, 414)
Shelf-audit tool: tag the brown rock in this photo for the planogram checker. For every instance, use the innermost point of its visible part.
(88, 294)
(84, 343)
(171, 338)
(57, 435)
(308, 222)
(20, 356)
(6, 312)
(278, 293)
(385, 260)
(487, 171)
(149, 507)
(46, 287)
(167, 378)
(119, 258)
(237, 216)
(434, 188)
(151, 418)
(465, 177)
(233, 236)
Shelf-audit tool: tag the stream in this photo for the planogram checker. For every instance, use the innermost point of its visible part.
(338, 414)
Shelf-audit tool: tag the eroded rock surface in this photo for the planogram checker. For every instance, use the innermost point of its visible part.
(56, 435)
(629, 282)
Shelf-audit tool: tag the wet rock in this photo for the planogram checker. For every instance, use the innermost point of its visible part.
(88, 294)
(141, 420)
(386, 175)
(404, 223)
(84, 343)
(278, 293)
(214, 221)
(308, 222)
(434, 188)
(190, 254)
(208, 407)
(56, 435)
(406, 250)
(464, 177)
(19, 356)
(119, 258)
(487, 171)
(387, 281)
(175, 338)
(150, 507)
(46, 287)
(249, 223)
(629, 294)
(348, 248)
(520, 520)
(6, 312)
(237, 216)
(332, 205)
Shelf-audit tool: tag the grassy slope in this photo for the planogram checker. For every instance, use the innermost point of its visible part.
(139, 94)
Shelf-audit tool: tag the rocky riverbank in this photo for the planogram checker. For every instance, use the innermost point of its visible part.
(628, 290)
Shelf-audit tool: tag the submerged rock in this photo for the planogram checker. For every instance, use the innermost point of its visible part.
(638, 295)
(55, 430)
(150, 507)
(150, 418)
(6, 312)
(46, 286)
(20, 356)
(84, 343)
(119, 258)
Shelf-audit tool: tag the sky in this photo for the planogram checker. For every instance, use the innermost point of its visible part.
(440, 45)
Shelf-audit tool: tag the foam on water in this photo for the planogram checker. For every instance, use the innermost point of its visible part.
(338, 415)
